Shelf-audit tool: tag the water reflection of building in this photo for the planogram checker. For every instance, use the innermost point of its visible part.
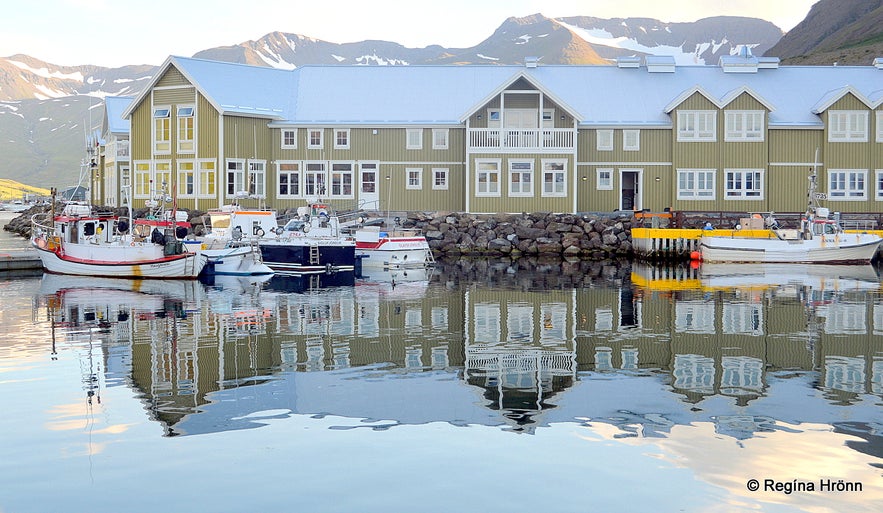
(210, 361)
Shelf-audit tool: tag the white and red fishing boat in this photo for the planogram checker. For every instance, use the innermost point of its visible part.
(392, 249)
(80, 242)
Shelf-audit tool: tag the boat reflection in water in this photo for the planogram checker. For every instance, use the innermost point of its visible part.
(693, 356)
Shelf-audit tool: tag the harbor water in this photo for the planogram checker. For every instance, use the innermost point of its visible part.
(477, 386)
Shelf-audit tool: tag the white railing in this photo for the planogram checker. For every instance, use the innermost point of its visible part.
(521, 139)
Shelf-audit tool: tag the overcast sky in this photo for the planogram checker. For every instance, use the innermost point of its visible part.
(119, 32)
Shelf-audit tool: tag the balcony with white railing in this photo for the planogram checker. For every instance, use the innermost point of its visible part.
(521, 139)
(118, 151)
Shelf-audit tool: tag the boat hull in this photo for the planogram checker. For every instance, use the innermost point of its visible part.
(395, 253)
(293, 257)
(840, 249)
(186, 265)
(236, 261)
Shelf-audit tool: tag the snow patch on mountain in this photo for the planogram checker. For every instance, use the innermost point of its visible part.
(480, 56)
(376, 59)
(602, 37)
(45, 73)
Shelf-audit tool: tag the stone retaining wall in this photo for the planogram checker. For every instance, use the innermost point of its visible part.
(594, 236)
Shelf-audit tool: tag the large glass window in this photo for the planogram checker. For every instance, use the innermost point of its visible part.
(186, 129)
(554, 178)
(744, 125)
(694, 184)
(257, 178)
(342, 179)
(289, 179)
(162, 130)
(697, 125)
(487, 178)
(207, 179)
(847, 126)
(744, 184)
(186, 179)
(235, 177)
(314, 179)
(521, 178)
(847, 184)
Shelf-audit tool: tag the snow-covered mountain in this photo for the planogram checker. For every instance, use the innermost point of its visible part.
(43, 129)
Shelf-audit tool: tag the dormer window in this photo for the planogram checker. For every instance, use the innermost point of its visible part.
(697, 125)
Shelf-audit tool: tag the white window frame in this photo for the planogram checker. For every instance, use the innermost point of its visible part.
(603, 183)
(631, 140)
(848, 184)
(341, 138)
(234, 177)
(181, 179)
(694, 191)
(742, 177)
(848, 126)
(318, 172)
(293, 172)
(559, 178)
(440, 177)
(141, 176)
(523, 191)
(186, 115)
(340, 172)
(440, 138)
(879, 115)
(414, 138)
(878, 184)
(292, 140)
(162, 122)
(311, 141)
(494, 118)
(604, 140)
(257, 178)
(548, 119)
(744, 126)
(206, 176)
(414, 178)
(697, 125)
(487, 174)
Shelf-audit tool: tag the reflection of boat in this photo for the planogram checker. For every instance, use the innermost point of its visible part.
(819, 277)
(396, 283)
(820, 239)
(79, 242)
(87, 301)
(392, 249)
(310, 243)
(281, 282)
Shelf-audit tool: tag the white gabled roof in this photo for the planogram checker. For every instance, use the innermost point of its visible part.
(831, 97)
(446, 95)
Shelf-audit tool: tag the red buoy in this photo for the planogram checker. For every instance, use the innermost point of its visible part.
(695, 255)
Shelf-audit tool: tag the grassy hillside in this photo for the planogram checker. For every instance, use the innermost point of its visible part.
(12, 190)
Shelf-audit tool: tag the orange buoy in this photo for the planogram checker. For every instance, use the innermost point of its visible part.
(695, 255)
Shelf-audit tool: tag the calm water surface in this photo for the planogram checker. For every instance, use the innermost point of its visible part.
(477, 387)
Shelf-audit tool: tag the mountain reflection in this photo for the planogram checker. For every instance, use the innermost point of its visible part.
(513, 344)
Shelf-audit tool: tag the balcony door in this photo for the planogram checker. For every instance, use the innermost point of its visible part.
(521, 127)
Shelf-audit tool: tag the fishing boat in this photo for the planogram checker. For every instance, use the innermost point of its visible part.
(232, 242)
(392, 249)
(80, 242)
(311, 242)
(820, 239)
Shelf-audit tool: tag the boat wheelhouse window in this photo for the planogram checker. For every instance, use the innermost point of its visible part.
(88, 229)
(294, 225)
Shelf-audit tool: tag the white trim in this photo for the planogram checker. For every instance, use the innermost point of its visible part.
(742, 196)
(878, 188)
(282, 138)
(479, 172)
(707, 133)
(415, 146)
(848, 134)
(743, 133)
(681, 195)
(848, 193)
(598, 185)
(419, 175)
(562, 172)
(447, 136)
(337, 145)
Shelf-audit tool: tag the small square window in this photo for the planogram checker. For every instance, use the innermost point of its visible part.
(415, 178)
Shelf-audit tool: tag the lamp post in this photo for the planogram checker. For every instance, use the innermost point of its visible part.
(388, 195)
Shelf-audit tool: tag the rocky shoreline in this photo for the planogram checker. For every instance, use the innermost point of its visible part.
(453, 234)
